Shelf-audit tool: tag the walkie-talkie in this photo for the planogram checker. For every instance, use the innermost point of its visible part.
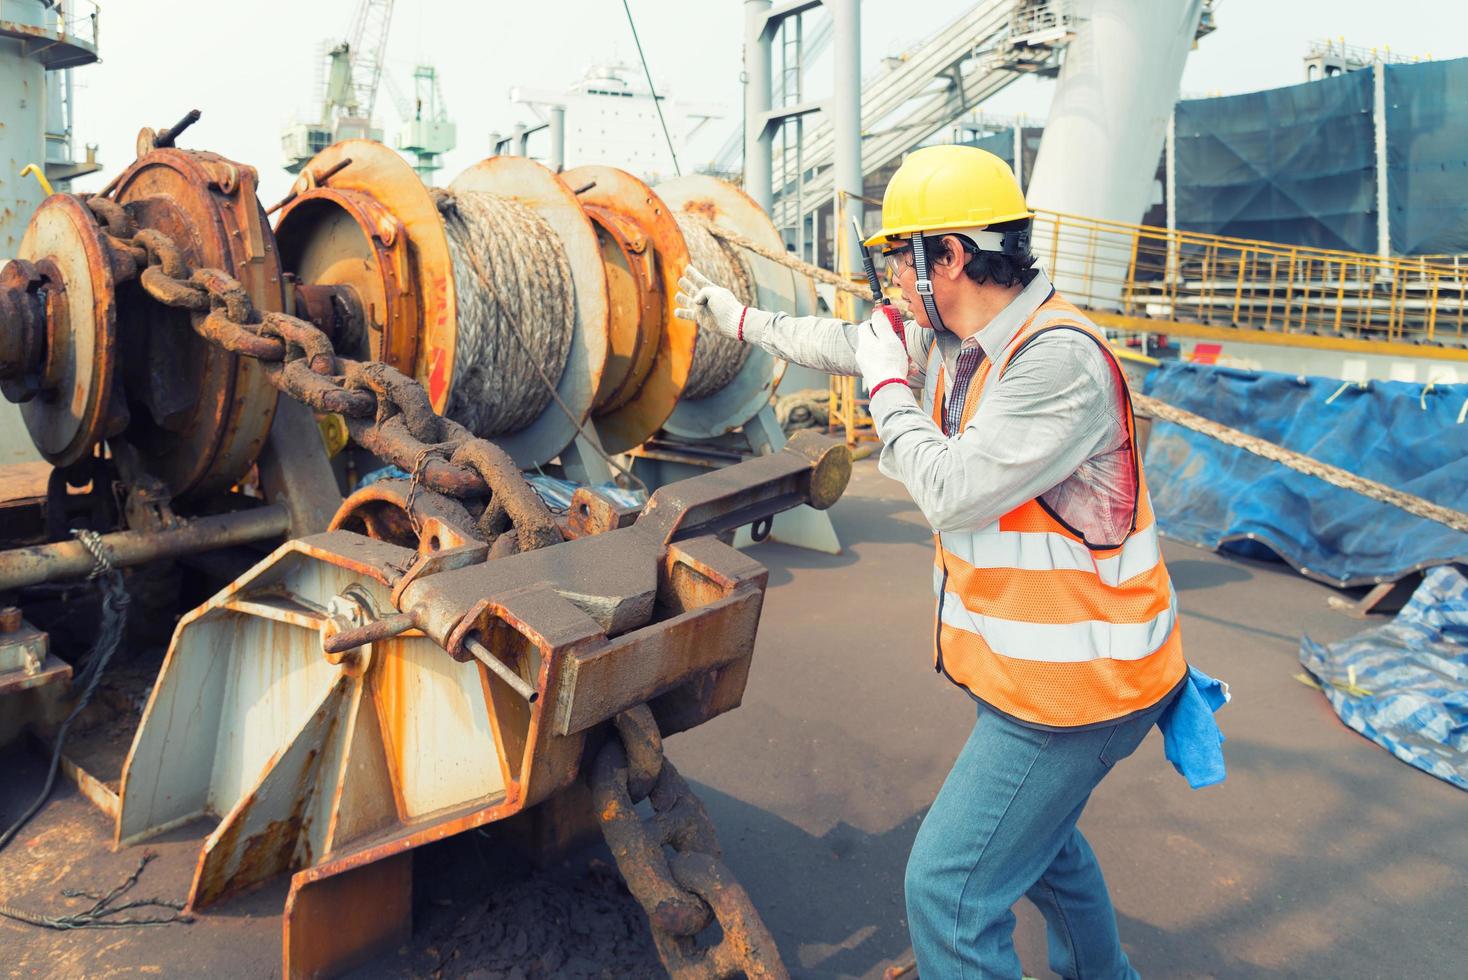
(879, 299)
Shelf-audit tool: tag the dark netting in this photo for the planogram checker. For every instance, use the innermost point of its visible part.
(1293, 165)
(1427, 156)
(1000, 144)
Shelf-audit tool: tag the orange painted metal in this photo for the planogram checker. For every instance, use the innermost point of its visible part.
(632, 410)
(370, 191)
(338, 922)
(381, 511)
(333, 236)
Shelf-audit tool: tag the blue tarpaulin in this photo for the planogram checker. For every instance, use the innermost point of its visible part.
(1395, 433)
(1404, 685)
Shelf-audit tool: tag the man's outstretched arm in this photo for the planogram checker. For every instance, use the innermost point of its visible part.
(821, 343)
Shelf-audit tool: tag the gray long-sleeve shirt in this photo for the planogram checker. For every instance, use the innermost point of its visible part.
(1051, 425)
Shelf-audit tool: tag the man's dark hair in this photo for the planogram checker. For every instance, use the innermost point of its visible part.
(995, 267)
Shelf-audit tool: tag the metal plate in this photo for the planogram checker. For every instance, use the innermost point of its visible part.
(537, 187)
(66, 420)
(777, 288)
(211, 410)
(420, 329)
(633, 422)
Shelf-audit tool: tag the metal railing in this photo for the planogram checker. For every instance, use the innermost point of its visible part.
(1359, 54)
(1188, 277)
(63, 32)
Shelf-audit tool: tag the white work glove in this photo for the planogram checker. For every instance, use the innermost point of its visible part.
(880, 353)
(711, 306)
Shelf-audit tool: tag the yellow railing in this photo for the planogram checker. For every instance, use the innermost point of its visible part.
(1150, 273)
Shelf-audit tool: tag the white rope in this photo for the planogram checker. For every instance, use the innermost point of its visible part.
(716, 358)
(515, 322)
(1300, 463)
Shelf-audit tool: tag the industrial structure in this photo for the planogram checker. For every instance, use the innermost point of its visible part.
(40, 42)
(452, 598)
(342, 414)
(352, 71)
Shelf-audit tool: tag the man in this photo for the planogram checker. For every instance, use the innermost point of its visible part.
(1009, 422)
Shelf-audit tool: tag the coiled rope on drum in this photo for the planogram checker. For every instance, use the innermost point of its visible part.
(716, 358)
(515, 320)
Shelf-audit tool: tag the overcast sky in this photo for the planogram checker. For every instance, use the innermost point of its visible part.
(250, 66)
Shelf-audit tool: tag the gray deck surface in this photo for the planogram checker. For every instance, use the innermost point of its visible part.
(1321, 856)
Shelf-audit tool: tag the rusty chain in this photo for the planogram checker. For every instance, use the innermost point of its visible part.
(391, 416)
(684, 891)
(387, 413)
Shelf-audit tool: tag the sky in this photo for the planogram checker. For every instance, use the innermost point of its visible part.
(251, 66)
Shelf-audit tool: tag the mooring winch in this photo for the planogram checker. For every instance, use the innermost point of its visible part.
(359, 233)
(442, 653)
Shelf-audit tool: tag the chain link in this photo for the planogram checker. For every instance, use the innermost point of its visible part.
(391, 416)
(386, 412)
(682, 893)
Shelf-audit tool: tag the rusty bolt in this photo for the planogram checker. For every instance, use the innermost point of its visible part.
(9, 619)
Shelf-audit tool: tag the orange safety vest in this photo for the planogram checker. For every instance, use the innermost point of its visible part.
(1038, 623)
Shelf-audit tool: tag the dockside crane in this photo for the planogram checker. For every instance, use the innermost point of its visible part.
(426, 132)
(348, 88)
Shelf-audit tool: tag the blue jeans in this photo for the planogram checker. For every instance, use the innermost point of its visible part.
(1004, 826)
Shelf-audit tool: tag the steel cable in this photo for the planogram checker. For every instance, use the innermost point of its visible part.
(105, 907)
(109, 637)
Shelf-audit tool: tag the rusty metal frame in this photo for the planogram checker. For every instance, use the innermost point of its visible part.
(331, 768)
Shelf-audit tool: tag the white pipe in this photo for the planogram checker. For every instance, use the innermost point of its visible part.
(846, 124)
(1378, 120)
(1106, 125)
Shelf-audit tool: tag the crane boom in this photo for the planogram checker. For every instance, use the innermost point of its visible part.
(368, 46)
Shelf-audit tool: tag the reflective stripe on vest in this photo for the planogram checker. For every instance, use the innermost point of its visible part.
(1035, 621)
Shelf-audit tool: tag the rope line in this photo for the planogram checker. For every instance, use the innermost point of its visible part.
(1344, 479)
(483, 277)
(860, 290)
(526, 294)
(716, 358)
(1334, 475)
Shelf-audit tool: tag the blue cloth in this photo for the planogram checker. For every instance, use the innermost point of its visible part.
(1212, 495)
(1004, 827)
(1191, 738)
(1404, 684)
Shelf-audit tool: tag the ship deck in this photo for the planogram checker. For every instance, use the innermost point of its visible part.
(1320, 856)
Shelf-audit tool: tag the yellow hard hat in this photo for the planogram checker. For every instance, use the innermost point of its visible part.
(948, 188)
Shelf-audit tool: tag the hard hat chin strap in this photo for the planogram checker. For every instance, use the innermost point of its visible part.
(925, 284)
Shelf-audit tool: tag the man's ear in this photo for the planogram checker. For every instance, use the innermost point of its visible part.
(955, 259)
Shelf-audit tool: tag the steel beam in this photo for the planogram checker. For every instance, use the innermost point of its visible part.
(758, 139)
(65, 560)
